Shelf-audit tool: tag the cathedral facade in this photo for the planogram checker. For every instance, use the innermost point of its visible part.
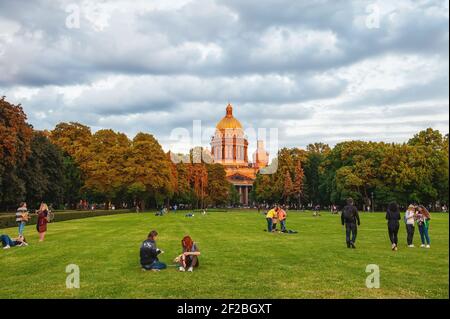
(229, 147)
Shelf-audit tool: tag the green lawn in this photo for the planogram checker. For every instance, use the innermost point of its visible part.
(239, 259)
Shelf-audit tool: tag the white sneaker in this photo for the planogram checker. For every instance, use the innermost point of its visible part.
(428, 246)
(190, 269)
(181, 269)
(411, 246)
(7, 247)
(421, 246)
(393, 246)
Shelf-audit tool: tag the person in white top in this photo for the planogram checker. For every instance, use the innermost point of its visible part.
(410, 224)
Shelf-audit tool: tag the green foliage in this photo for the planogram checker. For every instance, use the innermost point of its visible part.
(9, 220)
(416, 172)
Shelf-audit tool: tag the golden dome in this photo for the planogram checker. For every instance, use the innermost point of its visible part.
(229, 121)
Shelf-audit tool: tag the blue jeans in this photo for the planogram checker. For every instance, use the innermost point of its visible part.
(351, 230)
(21, 228)
(7, 241)
(423, 230)
(283, 225)
(269, 225)
(156, 265)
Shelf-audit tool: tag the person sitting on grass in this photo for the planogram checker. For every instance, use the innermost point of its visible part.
(188, 260)
(7, 242)
(149, 253)
(316, 211)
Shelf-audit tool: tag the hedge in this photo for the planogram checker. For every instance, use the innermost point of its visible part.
(9, 220)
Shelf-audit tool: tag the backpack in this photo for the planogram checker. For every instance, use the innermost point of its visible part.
(348, 213)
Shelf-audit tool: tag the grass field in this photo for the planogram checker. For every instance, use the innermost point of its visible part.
(239, 259)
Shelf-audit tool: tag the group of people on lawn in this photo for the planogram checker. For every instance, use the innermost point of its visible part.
(274, 216)
(186, 261)
(414, 215)
(22, 217)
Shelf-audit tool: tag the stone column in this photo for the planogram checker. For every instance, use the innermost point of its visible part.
(245, 195)
(240, 194)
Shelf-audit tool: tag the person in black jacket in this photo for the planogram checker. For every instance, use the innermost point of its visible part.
(393, 217)
(350, 218)
(149, 253)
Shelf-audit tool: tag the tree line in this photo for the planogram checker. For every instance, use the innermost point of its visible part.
(70, 163)
(372, 173)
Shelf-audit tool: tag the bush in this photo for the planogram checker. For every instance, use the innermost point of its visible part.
(9, 220)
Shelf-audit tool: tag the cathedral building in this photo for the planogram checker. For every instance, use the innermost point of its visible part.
(229, 147)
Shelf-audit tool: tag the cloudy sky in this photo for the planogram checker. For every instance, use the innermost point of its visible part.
(323, 71)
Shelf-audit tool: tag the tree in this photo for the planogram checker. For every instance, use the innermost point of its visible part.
(15, 134)
(298, 183)
(148, 164)
(218, 186)
(288, 187)
(234, 197)
(105, 164)
(15, 148)
(74, 139)
(43, 173)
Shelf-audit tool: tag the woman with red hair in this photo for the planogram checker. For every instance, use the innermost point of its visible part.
(188, 260)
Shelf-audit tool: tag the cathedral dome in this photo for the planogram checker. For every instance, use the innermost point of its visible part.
(229, 121)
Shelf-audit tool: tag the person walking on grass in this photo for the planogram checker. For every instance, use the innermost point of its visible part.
(22, 217)
(410, 225)
(188, 260)
(423, 218)
(8, 242)
(393, 217)
(42, 220)
(149, 253)
(350, 219)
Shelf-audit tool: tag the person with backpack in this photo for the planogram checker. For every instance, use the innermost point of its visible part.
(149, 253)
(393, 217)
(423, 218)
(410, 225)
(350, 219)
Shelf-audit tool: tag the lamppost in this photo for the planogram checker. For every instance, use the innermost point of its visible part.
(373, 205)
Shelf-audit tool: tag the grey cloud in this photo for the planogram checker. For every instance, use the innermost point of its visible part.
(277, 61)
